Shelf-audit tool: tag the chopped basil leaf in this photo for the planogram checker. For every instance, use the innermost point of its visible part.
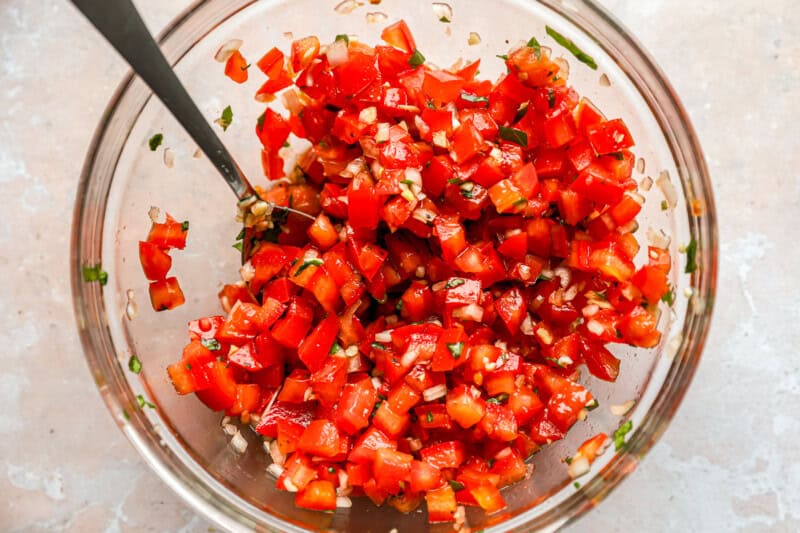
(155, 141)
(669, 297)
(211, 344)
(469, 97)
(500, 398)
(306, 264)
(95, 273)
(514, 136)
(537, 48)
(521, 112)
(343, 37)
(399, 306)
(664, 205)
(134, 365)
(456, 485)
(185, 225)
(260, 120)
(618, 333)
(619, 434)
(377, 346)
(542, 277)
(572, 47)
(407, 182)
(286, 144)
(331, 470)
(227, 117)
(691, 257)
(551, 98)
(454, 181)
(143, 403)
(238, 245)
(240, 236)
(466, 193)
(594, 404)
(126, 414)
(619, 156)
(504, 57)
(188, 366)
(576, 485)
(429, 417)
(568, 460)
(416, 59)
(430, 105)
(454, 282)
(444, 19)
(456, 348)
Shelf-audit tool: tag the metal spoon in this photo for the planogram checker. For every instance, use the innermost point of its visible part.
(122, 26)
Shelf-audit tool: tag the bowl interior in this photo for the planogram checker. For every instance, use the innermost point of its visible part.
(182, 439)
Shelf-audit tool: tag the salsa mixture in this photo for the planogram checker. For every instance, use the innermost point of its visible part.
(469, 253)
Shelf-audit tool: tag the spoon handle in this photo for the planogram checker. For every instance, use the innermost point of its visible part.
(119, 22)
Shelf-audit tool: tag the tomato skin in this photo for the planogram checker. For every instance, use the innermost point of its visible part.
(399, 36)
(318, 495)
(168, 234)
(355, 405)
(166, 294)
(221, 393)
(236, 67)
(609, 136)
(155, 261)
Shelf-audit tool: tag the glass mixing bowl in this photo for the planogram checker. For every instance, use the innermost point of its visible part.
(180, 439)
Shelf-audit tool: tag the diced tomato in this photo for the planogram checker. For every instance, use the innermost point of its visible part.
(399, 36)
(155, 261)
(319, 495)
(236, 67)
(609, 137)
(169, 234)
(355, 405)
(441, 503)
(166, 294)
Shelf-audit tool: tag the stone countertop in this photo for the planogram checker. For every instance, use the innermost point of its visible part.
(728, 462)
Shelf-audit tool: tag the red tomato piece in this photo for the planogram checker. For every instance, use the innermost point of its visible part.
(166, 294)
(236, 67)
(155, 261)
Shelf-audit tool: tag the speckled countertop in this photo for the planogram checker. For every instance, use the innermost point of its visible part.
(730, 461)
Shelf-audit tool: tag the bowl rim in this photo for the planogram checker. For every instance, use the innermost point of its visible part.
(95, 337)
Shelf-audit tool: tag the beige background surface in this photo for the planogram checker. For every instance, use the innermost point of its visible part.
(729, 462)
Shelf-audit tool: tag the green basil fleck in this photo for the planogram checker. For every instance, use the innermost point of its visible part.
(551, 98)
(504, 57)
(514, 135)
(582, 56)
(377, 346)
(474, 98)
(619, 434)
(185, 225)
(238, 245)
(343, 37)
(429, 417)
(537, 48)
(500, 398)
(143, 403)
(454, 282)
(416, 59)
(155, 141)
(211, 344)
(691, 257)
(335, 348)
(134, 365)
(456, 349)
(95, 273)
(227, 117)
(669, 297)
(456, 485)
(306, 264)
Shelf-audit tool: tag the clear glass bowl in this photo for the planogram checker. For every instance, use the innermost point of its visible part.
(180, 439)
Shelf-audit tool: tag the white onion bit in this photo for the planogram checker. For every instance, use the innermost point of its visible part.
(376, 17)
(442, 11)
(275, 470)
(343, 502)
(227, 49)
(473, 39)
(337, 53)
(169, 158)
(345, 7)
(622, 409)
(238, 443)
(131, 309)
(154, 213)
(579, 466)
(604, 81)
(435, 392)
(667, 188)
